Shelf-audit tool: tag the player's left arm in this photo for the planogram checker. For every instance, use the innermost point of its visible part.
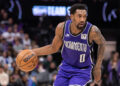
(97, 37)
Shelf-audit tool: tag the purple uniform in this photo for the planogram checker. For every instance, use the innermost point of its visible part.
(75, 69)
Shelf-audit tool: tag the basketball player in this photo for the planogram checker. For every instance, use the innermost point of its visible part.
(76, 37)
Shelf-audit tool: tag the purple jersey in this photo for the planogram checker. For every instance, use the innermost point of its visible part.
(76, 67)
(76, 50)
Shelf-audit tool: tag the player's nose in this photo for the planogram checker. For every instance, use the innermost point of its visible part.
(82, 19)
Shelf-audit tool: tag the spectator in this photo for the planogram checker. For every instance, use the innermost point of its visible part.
(32, 81)
(6, 69)
(9, 36)
(2, 27)
(52, 67)
(15, 78)
(3, 44)
(7, 59)
(13, 65)
(22, 35)
(10, 21)
(11, 51)
(15, 26)
(2, 12)
(114, 70)
(27, 41)
(42, 76)
(48, 61)
(5, 18)
(4, 78)
(16, 33)
(105, 72)
(18, 46)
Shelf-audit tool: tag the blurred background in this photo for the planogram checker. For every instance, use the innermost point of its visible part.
(28, 24)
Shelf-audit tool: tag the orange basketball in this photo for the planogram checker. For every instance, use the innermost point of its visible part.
(27, 60)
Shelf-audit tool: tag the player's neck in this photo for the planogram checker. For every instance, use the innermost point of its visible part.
(74, 29)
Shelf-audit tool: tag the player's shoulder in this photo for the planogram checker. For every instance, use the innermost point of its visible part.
(61, 25)
(60, 29)
(94, 29)
(94, 32)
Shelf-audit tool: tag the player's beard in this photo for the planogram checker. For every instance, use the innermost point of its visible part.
(81, 25)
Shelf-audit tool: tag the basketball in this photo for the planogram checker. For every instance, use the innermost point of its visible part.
(26, 60)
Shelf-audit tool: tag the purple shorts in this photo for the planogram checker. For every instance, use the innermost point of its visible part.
(73, 76)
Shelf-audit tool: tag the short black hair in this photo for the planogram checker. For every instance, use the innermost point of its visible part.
(78, 6)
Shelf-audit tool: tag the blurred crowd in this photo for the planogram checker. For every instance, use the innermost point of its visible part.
(13, 38)
(71, 0)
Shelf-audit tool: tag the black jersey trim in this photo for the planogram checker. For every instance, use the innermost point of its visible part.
(89, 35)
(75, 35)
(64, 29)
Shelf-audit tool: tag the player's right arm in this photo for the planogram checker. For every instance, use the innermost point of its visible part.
(55, 45)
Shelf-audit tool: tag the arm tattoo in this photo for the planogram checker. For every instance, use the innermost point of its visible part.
(100, 41)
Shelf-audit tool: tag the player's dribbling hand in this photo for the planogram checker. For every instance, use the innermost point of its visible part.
(97, 74)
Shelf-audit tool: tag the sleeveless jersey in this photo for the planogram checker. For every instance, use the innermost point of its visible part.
(76, 50)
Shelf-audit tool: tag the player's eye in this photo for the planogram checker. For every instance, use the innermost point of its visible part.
(79, 16)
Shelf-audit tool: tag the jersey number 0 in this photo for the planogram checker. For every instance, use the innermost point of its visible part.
(82, 58)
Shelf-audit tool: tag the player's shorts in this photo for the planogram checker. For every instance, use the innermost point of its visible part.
(71, 76)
